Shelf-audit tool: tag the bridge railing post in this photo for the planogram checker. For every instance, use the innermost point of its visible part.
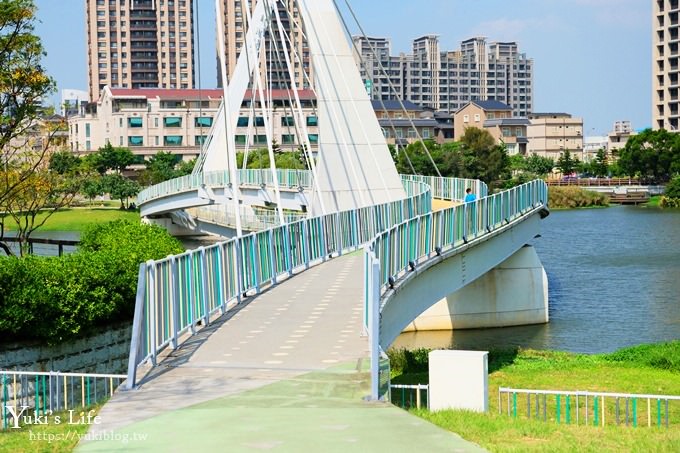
(153, 311)
(174, 302)
(137, 326)
(374, 327)
(204, 287)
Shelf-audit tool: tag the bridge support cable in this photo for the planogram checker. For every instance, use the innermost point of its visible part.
(267, 124)
(389, 81)
(362, 62)
(300, 118)
(230, 139)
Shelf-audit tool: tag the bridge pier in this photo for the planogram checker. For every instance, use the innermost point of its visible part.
(513, 293)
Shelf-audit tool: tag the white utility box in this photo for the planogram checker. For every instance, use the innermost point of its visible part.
(459, 380)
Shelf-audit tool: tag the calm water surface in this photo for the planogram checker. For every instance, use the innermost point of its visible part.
(614, 277)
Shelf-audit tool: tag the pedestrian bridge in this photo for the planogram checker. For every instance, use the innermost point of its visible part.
(414, 258)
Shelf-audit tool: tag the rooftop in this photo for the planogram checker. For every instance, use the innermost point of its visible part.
(161, 93)
(395, 105)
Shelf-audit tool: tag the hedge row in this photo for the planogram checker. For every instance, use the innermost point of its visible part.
(52, 299)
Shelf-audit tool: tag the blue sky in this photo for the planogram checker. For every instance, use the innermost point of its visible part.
(592, 57)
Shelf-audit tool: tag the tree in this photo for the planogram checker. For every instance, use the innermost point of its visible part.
(482, 157)
(120, 188)
(110, 157)
(160, 167)
(566, 163)
(64, 163)
(654, 154)
(40, 196)
(24, 139)
(92, 187)
(185, 167)
(600, 167)
(539, 165)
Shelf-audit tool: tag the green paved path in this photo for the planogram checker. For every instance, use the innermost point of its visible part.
(287, 372)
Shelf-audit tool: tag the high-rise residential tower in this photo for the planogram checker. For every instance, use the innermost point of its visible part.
(235, 27)
(139, 44)
(665, 64)
(448, 80)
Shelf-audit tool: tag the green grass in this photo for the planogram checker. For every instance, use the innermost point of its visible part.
(51, 437)
(76, 219)
(653, 201)
(648, 369)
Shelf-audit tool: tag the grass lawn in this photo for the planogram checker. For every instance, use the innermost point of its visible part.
(50, 437)
(76, 219)
(648, 369)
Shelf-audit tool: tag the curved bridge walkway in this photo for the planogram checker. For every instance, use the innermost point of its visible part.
(242, 385)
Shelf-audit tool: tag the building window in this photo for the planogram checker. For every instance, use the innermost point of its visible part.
(287, 121)
(172, 121)
(426, 133)
(134, 122)
(240, 139)
(155, 122)
(477, 118)
(313, 138)
(87, 130)
(172, 140)
(135, 140)
(203, 121)
(399, 132)
(288, 139)
(312, 121)
(506, 132)
(199, 140)
(260, 139)
(242, 122)
(259, 121)
(466, 118)
(88, 145)
(156, 140)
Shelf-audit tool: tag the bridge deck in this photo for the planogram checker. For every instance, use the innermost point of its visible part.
(286, 371)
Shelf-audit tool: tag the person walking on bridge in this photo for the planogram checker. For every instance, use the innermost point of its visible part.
(469, 196)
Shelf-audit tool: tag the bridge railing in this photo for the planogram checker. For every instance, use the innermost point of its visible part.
(399, 248)
(176, 293)
(252, 177)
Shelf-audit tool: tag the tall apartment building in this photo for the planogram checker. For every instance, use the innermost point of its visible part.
(235, 26)
(139, 44)
(665, 68)
(448, 80)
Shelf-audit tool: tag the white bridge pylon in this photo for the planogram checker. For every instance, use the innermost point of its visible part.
(353, 168)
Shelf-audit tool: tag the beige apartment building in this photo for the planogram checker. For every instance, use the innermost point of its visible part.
(139, 44)
(497, 118)
(178, 121)
(618, 137)
(665, 68)
(235, 27)
(550, 134)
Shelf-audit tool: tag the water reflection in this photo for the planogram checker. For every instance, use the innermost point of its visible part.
(614, 277)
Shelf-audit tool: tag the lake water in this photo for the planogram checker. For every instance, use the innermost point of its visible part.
(614, 281)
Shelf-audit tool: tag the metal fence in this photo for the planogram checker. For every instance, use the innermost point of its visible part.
(410, 396)
(45, 393)
(596, 408)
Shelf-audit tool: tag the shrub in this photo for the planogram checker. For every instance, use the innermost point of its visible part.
(667, 202)
(575, 197)
(53, 299)
(673, 188)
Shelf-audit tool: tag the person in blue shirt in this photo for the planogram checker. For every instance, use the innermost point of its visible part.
(469, 196)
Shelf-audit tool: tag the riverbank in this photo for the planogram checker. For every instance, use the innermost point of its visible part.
(575, 197)
(647, 369)
(77, 219)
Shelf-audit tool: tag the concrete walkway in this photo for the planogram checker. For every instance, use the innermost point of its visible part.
(285, 372)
